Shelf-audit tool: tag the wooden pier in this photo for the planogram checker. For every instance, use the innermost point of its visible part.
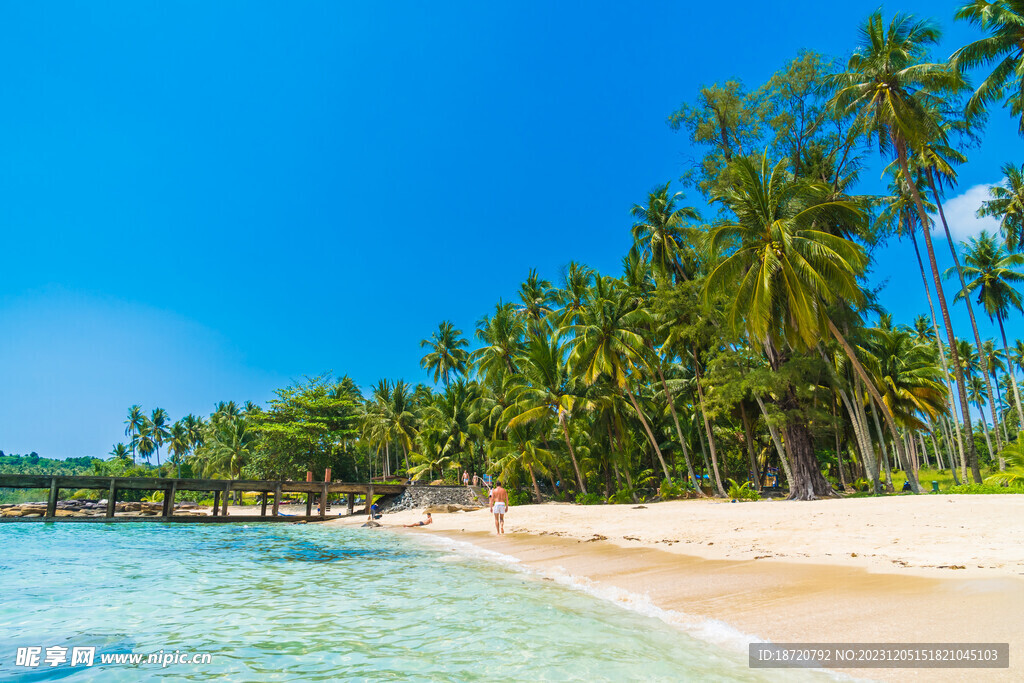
(221, 488)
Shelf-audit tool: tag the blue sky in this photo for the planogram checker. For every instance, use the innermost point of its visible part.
(205, 201)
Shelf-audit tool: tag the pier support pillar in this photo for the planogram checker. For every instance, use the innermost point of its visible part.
(216, 502)
(263, 503)
(112, 497)
(323, 501)
(277, 498)
(51, 502)
(369, 498)
(169, 496)
(351, 503)
(309, 504)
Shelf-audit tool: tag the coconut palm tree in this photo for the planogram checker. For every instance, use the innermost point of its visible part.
(501, 338)
(571, 297)
(158, 422)
(178, 444)
(447, 355)
(144, 439)
(606, 344)
(538, 299)
(661, 234)
(783, 272)
(992, 274)
(133, 425)
(889, 85)
(545, 390)
(1007, 204)
(1002, 49)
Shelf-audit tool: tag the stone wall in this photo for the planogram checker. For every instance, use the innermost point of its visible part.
(418, 497)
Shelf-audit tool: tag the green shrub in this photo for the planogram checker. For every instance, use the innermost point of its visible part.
(670, 489)
(588, 499)
(742, 491)
(981, 489)
(861, 484)
(519, 498)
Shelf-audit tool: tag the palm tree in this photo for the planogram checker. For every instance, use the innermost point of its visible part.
(120, 452)
(992, 275)
(133, 425)
(501, 338)
(537, 296)
(144, 439)
(606, 344)
(178, 444)
(158, 430)
(783, 272)
(977, 396)
(1003, 20)
(1007, 204)
(911, 384)
(545, 389)
(889, 85)
(572, 295)
(661, 234)
(447, 355)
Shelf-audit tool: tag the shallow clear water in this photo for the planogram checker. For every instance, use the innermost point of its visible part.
(307, 603)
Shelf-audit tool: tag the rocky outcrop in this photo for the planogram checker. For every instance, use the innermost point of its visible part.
(438, 499)
(96, 508)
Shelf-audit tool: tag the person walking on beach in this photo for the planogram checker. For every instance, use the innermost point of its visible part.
(499, 506)
(465, 478)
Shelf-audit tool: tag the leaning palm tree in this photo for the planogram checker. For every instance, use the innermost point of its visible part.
(1007, 204)
(992, 274)
(783, 271)
(889, 85)
(1003, 47)
(447, 355)
(178, 444)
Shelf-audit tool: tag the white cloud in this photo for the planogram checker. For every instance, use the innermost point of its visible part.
(960, 214)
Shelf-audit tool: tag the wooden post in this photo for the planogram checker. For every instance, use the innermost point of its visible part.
(216, 501)
(224, 506)
(51, 502)
(327, 475)
(309, 476)
(277, 497)
(351, 503)
(263, 503)
(169, 496)
(369, 498)
(112, 497)
(309, 504)
(323, 501)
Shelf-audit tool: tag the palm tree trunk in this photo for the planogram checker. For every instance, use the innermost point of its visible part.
(942, 357)
(650, 434)
(884, 452)
(707, 427)
(533, 478)
(1013, 381)
(884, 409)
(988, 440)
(748, 436)
(779, 446)
(679, 432)
(860, 431)
(562, 419)
(970, 307)
(901, 154)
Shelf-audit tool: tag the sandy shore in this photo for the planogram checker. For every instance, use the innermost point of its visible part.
(905, 569)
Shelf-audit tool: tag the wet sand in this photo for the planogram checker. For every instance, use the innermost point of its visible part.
(855, 570)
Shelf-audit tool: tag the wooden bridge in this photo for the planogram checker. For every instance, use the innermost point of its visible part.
(219, 487)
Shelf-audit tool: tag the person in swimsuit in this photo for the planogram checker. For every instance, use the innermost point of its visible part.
(499, 506)
(430, 520)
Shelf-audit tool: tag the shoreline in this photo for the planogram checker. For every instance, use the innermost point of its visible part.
(779, 571)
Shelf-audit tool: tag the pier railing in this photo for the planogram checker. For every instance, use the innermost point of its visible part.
(221, 488)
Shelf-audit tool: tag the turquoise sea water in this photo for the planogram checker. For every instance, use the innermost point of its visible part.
(308, 603)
